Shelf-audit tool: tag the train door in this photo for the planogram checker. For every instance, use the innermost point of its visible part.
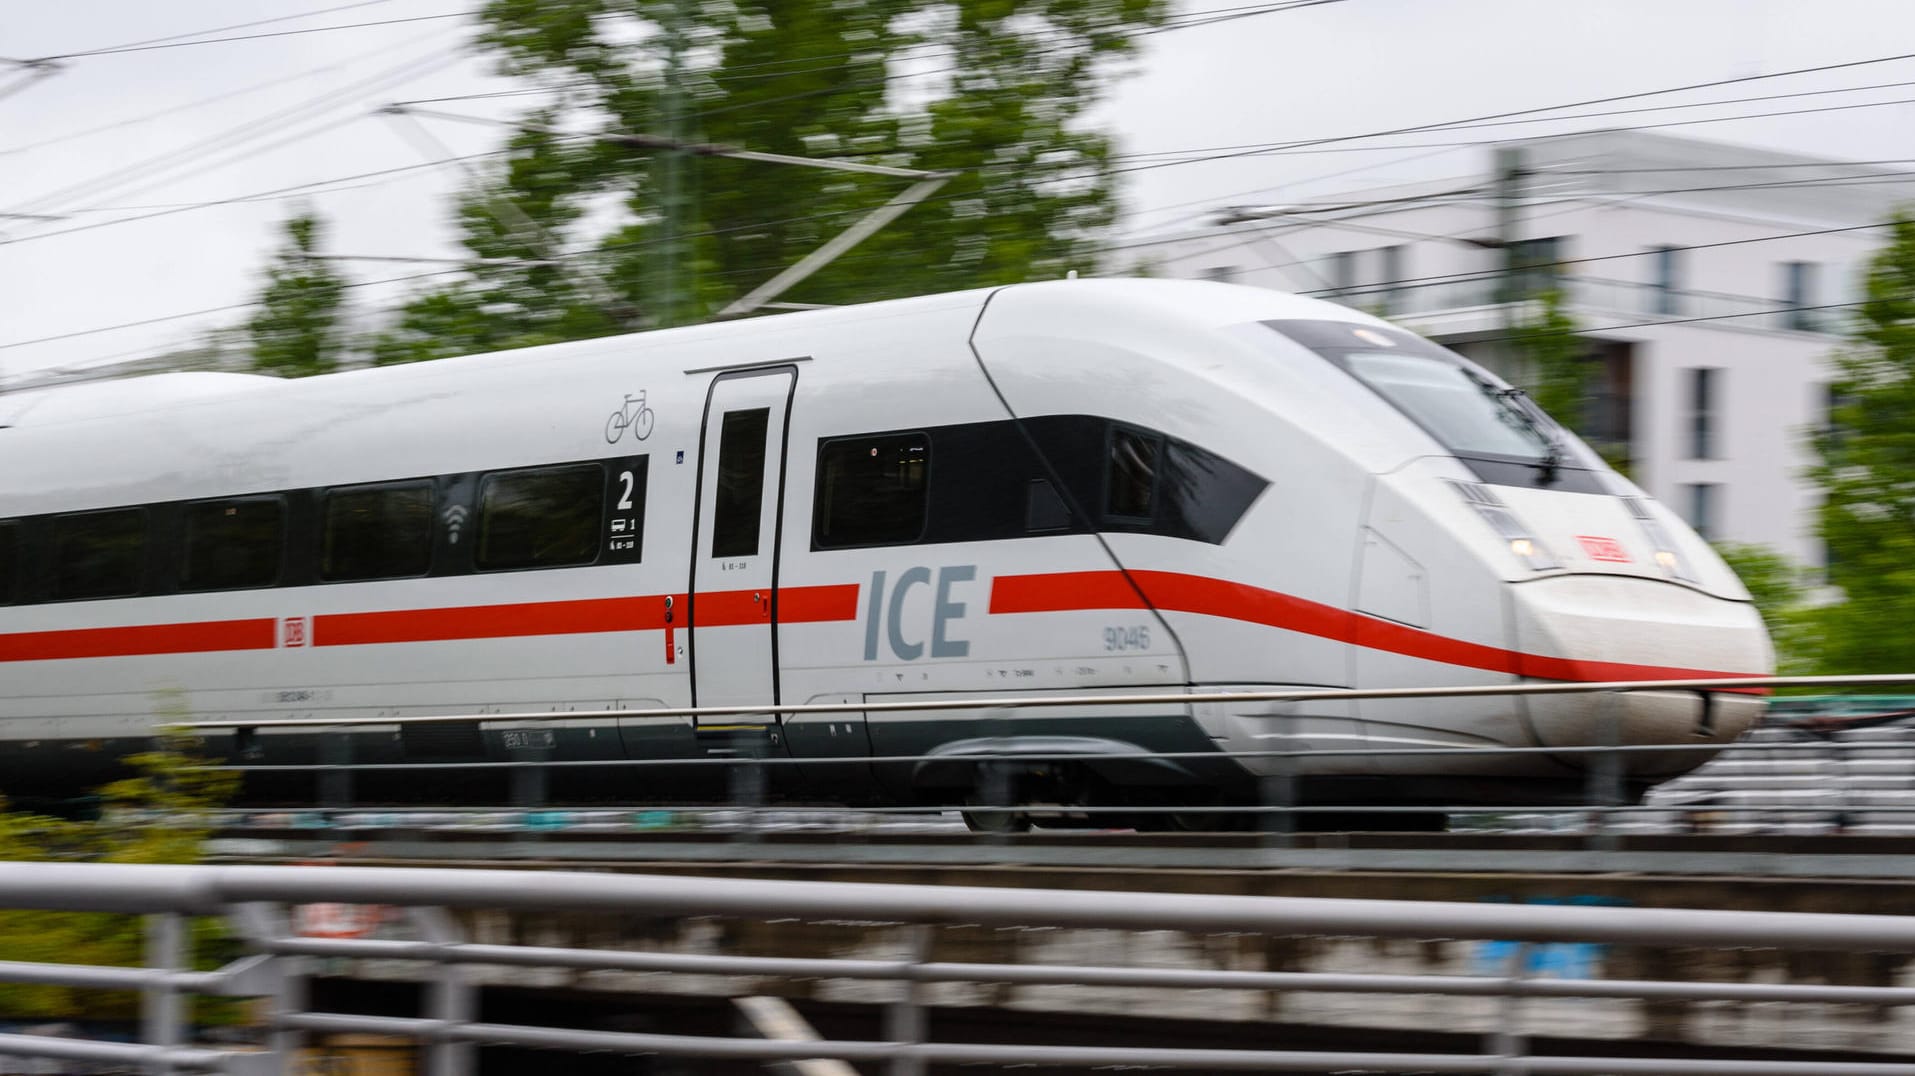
(734, 571)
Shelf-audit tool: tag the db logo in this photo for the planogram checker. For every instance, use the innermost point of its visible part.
(293, 631)
(1604, 549)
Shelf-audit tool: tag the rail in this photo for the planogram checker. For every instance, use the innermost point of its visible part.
(258, 901)
(1601, 810)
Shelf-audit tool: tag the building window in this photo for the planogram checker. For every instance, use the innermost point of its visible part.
(99, 554)
(376, 532)
(1704, 386)
(872, 491)
(1704, 500)
(1342, 274)
(1390, 273)
(1663, 292)
(1798, 296)
(9, 563)
(232, 545)
(546, 517)
(1533, 266)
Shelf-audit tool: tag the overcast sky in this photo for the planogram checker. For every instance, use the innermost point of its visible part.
(246, 118)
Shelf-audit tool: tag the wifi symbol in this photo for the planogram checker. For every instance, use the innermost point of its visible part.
(455, 520)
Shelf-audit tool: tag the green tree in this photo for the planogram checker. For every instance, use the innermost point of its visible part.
(991, 91)
(1554, 360)
(158, 814)
(1866, 468)
(297, 331)
(1779, 588)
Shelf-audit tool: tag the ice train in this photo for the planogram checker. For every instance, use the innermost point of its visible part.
(1087, 486)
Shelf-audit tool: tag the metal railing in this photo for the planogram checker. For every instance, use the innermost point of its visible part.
(1603, 806)
(257, 901)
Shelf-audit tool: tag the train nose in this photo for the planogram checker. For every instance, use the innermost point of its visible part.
(1591, 627)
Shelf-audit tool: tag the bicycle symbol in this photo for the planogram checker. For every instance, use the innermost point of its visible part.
(640, 420)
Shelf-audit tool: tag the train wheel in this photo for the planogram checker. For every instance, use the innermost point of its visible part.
(996, 821)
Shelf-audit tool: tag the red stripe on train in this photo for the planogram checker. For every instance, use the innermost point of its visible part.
(203, 637)
(1176, 592)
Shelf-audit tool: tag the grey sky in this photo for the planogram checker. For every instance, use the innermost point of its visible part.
(1338, 69)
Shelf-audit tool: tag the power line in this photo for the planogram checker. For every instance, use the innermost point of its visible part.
(227, 309)
(234, 26)
(1464, 123)
(204, 101)
(232, 137)
(237, 199)
(257, 37)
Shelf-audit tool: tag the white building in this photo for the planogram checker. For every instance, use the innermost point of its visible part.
(1709, 278)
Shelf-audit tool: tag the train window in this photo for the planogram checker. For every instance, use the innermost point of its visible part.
(231, 545)
(377, 532)
(741, 483)
(9, 563)
(1132, 480)
(1044, 509)
(546, 517)
(99, 554)
(871, 491)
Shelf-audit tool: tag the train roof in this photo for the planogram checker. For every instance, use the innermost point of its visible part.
(104, 399)
(1096, 307)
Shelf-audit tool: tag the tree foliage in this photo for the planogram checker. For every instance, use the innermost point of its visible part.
(157, 815)
(1780, 588)
(993, 92)
(1866, 468)
(297, 330)
(1555, 361)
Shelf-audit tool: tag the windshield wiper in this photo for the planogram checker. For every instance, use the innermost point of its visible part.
(1516, 402)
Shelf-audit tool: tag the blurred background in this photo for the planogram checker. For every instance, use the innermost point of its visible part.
(1676, 225)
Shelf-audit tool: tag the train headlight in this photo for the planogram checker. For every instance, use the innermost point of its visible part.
(1666, 557)
(1504, 522)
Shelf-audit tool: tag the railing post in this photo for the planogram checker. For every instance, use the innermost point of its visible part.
(745, 777)
(335, 781)
(1604, 783)
(904, 1020)
(162, 1010)
(530, 782)
(1278, 789)
(261, 925)
(1508, 1043)
(450, 999)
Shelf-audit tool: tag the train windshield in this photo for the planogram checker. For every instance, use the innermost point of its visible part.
(1495, 429)
(1466, 413)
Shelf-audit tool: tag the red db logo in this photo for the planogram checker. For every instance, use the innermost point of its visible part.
(1605, 549)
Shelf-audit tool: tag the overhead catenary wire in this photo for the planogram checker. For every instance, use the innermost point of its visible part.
(1311, 143)
(242, 25)
(258, 37)
(145, 174)
(172, 110)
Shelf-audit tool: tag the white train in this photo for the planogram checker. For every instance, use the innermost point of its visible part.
(1069, 487)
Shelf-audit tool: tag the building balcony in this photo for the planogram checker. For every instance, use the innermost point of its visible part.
(1476, 302)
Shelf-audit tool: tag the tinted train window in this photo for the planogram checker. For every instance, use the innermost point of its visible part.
(872, 490)
(99, 554)
(1133, 474)
(377, 532)
(234, 544)
(741, 483)
(1044, 510)
(543, 518)
(9, 563)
